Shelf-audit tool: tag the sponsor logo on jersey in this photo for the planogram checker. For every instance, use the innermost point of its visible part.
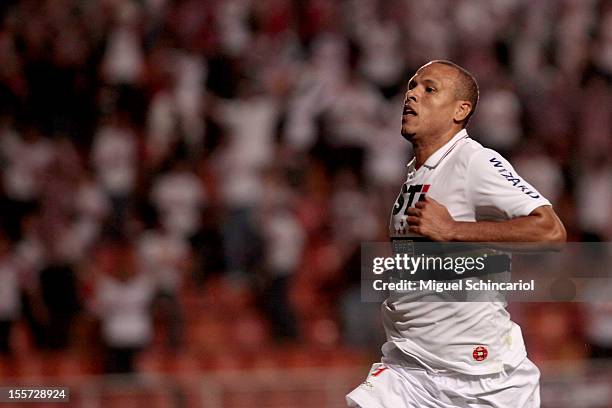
(480, 353)
(411, 190)
(511, 178)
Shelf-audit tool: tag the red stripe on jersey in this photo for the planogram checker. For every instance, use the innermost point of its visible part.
(377, 372)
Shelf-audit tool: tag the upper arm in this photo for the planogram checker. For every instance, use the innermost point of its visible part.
(493, 183)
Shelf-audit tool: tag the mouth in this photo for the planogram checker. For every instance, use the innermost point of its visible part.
(408, 111)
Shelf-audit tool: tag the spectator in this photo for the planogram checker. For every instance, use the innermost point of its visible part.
(541, 170)
(283, 239)
(115, 162)
(251, 123)
(27, 156)
(595, 192)
(165, 258)
(123, 297)
(123, 62)
(498, 122)
(179, 199)
(175, 115)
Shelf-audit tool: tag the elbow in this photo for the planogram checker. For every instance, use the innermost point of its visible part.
(550, 229)
(557, 234)
(554, 235)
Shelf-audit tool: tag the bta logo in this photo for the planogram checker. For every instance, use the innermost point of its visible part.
(411, 191)
(480, 353)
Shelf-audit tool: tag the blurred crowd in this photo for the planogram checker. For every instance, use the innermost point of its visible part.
(151, 147)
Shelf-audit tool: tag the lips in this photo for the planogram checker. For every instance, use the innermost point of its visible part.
(409, 111)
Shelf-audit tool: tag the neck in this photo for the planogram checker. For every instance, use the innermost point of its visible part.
(425, 147)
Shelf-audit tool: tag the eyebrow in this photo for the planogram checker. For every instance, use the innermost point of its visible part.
(425, 81)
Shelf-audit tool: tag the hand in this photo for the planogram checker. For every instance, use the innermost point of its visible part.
(431, 219)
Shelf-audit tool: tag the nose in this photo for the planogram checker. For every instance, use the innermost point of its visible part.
(411, 95)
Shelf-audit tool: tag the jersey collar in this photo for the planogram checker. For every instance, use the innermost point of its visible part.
(435, 159)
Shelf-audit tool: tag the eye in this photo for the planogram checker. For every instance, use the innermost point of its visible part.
(430, 89)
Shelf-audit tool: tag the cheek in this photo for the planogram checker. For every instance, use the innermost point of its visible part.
(443, 112)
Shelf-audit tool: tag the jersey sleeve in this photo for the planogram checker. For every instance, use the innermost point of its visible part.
(494, 186)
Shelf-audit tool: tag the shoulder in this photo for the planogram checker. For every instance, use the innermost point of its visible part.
(480, 158)
(469, 150)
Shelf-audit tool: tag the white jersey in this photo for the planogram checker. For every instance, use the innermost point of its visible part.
(478, 338)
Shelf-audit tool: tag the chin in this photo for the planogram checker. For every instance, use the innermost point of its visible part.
(407, 130)
(407, 135)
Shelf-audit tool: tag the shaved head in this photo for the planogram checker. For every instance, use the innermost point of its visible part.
(466, 87)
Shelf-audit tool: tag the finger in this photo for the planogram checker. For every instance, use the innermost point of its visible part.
(415, 229)
(428, 199)
(413, 220)
(414, 212)
(420, 204)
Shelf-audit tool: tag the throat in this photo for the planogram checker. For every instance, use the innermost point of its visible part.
(422, 152)
(424, 147)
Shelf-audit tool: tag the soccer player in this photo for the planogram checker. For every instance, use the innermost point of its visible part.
(455, 354)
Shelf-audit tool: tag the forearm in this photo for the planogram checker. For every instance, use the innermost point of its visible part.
(542, 225)
(432, 220)
(515, 230)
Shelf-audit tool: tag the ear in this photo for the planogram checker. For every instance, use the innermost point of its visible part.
(462, 110)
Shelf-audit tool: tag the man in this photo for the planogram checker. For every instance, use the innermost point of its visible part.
(455, 354)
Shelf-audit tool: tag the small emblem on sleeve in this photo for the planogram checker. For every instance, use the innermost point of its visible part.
(480, 353)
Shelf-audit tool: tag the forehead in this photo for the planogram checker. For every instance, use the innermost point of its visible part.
(440, 73)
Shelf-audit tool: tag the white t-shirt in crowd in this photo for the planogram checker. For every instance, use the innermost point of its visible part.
(179, 197)
(475, 184)
(125, 310)
(25, 165)
(162, 256)
(114, 155)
